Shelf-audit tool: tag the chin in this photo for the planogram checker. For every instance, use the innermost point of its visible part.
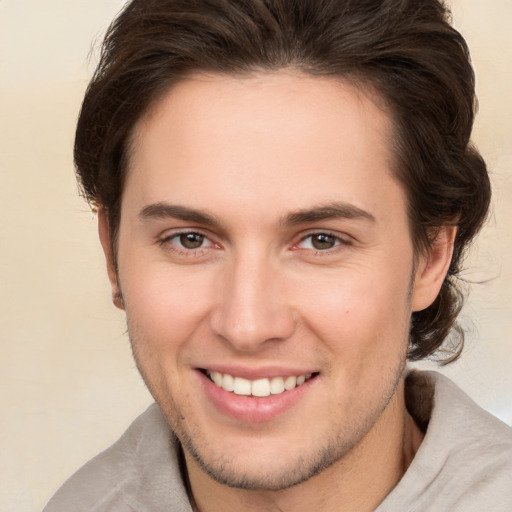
(272, 474)
(265, 465)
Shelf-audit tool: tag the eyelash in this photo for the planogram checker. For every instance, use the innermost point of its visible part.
(167, 242)
(339, 243)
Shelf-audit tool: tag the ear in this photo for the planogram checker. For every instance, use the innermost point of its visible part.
(104, 233)
(432, 269)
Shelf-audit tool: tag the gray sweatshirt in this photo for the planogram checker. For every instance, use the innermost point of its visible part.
(464, 463)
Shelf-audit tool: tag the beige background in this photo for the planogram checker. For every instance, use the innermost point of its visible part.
(68, 386)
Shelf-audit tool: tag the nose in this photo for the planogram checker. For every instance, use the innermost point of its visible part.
(252, 309)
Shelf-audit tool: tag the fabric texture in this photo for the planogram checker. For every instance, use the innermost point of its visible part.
(464, 463)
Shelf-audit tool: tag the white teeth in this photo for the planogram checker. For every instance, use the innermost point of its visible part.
(217, 378)
(228, 382)
(258, 387)
(290, 383)
(276, 385)
(242, 386)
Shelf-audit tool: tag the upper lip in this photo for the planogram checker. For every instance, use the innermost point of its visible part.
(258, 373)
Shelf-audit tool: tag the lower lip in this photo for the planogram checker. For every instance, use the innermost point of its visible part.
(252, 409)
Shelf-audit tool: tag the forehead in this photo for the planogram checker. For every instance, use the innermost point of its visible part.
(279, 139)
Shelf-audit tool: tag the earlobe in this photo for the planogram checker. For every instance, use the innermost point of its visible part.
(432, 269)
(104, 234)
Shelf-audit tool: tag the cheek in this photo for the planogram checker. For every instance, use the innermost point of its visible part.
(363, 313)
(164, 306)
(164, 311)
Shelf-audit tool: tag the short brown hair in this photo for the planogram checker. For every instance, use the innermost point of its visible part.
(406, 50)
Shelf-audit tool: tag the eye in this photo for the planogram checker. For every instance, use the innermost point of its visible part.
(320, 242)
(188, 240)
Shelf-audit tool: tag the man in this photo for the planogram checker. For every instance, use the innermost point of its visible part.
(284, 191)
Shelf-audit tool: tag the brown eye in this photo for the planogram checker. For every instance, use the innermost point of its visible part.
(322, 241)
(191, 240)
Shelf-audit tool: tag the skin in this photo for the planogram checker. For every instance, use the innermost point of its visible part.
(260, 158)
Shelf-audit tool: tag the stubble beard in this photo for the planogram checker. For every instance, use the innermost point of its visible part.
(335, 446)
(332, 449)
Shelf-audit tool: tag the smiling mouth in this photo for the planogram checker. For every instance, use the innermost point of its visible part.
(259, 387)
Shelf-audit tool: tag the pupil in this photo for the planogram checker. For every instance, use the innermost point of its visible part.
(191, 240)
(323, 242)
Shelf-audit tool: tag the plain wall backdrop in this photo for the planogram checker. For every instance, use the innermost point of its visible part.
(68, 385)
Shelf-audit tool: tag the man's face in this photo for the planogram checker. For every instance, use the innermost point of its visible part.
(263, 242)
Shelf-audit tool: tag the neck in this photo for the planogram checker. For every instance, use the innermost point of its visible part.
(359, 481)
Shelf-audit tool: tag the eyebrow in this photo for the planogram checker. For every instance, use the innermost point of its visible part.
(165, 211)
(326, 212)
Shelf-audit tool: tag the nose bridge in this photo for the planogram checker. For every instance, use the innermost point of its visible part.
(252, 308)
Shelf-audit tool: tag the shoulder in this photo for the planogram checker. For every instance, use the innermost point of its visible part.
(465, 460)
(450, 413)
(140, 472)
